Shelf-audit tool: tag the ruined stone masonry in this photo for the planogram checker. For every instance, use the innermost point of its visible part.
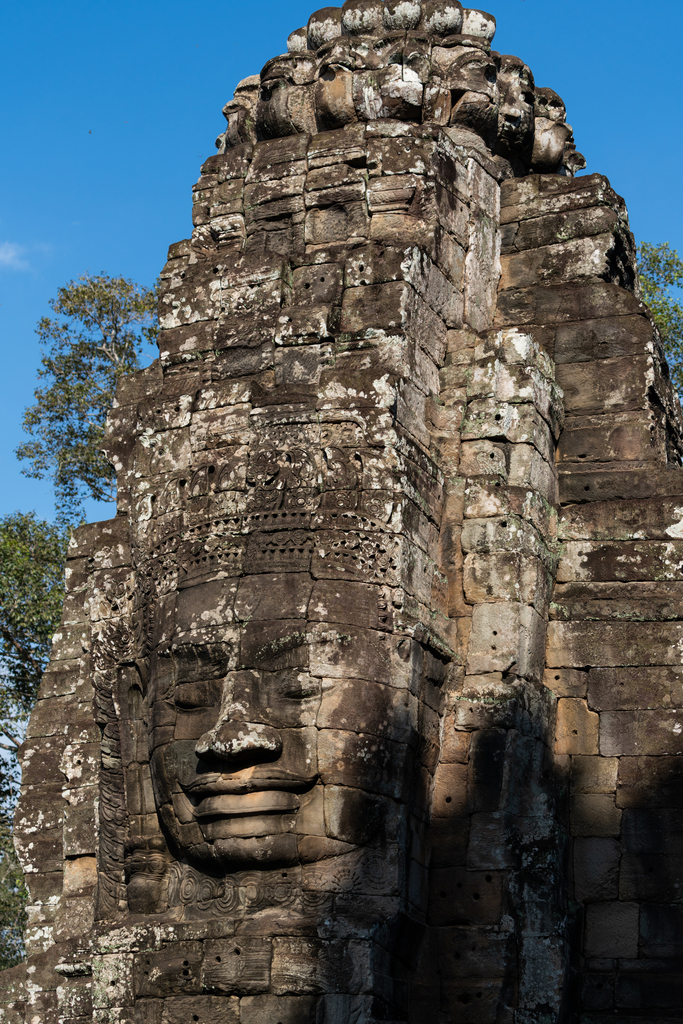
(368, 705)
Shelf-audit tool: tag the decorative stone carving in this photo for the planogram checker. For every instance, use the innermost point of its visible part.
(413, 62)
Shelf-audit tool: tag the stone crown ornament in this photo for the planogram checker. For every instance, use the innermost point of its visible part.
(428, 63)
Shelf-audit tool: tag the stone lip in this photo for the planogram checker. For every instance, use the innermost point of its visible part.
(263, 801)
(244, 787)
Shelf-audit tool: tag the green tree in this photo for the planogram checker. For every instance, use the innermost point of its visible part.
(32, 554)
(13, 899)
(101, 326)
(660, 270)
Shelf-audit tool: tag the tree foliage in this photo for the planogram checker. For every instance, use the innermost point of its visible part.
(101, 326)
(13, 899)
(32, 554)
(660, 271)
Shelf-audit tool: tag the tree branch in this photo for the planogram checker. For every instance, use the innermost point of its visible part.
(23, 652)
(9, 736)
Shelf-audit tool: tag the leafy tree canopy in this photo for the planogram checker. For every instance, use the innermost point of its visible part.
(32, 554)
(101, 326)
(661, 270)
(13, 899)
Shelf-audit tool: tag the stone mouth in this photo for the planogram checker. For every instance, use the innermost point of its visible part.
(238, 805)
(219, 786)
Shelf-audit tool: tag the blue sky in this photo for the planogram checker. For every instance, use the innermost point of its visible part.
(108, 109)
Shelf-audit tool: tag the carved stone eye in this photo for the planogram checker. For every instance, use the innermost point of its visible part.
(302, 693)
(187, 704)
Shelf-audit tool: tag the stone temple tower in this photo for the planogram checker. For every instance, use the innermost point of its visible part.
(368, 704)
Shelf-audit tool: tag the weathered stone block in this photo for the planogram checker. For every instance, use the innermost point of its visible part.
(596, 869)
(302, 965)
(461, 897)
(594, 774)
(594, 814)
(643, 732)
(612, 930)
(576, 728)
(450, 790)
(633, 689)
(285, 1009)
(661, 930)
(650, 782)
(577, 644)
(239, 966)
(504, 635)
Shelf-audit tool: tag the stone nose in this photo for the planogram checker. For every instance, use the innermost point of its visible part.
(233, 741)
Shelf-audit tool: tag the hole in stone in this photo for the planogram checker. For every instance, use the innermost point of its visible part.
(307, 285)
(478, 995)
(557, 678)
(575, 732)
(489, 878)
(361, 267)
(475, 895)
(448, 799)
(583, 456)
(492, 455)
(459, 885)
(495, 632)
(186, 963)
(587, 488)
(212, 469)
(284, 874)
(322, 279)
(218, 959)
(182, 483)
(238, 952)
(498, 416)
(503, 525)
(442, 895)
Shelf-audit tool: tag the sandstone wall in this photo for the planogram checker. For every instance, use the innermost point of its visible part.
(410, 447)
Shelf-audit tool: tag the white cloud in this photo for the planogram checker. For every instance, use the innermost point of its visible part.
(11, 256)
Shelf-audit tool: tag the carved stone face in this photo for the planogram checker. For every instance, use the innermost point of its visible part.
(285, 101)
(549, 105)
(471, 79)
(287, 741)
(516, 114)
(551, 132)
